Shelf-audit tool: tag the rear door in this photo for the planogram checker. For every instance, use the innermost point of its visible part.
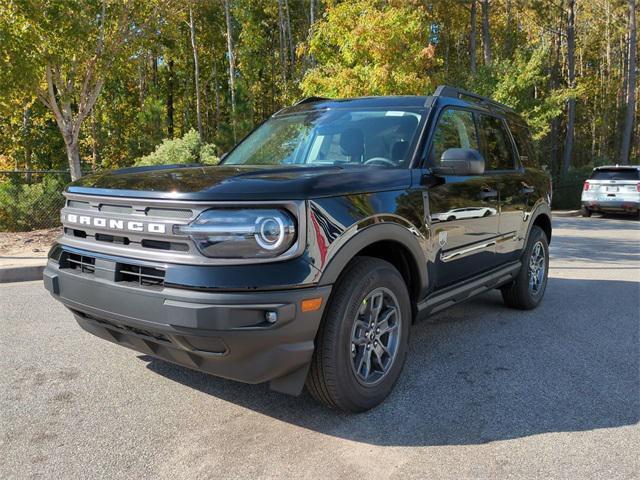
(463, 210)
(503, 167)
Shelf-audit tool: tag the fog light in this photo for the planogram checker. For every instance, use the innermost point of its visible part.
(271, 317)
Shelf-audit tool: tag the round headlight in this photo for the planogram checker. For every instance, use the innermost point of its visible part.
(270, 232)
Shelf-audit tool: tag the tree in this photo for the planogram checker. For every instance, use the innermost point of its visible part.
(473, 36)
(65, 51)
(353, 61)
(232, 64)
(486, 33)
(196, 68)
(571, 103)
(627, 134)
(333, 47)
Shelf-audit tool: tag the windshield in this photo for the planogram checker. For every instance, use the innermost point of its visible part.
(332, 137)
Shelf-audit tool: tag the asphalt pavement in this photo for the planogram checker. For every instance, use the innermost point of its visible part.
(487, 392)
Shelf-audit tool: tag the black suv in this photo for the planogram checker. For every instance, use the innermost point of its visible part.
(308, 253)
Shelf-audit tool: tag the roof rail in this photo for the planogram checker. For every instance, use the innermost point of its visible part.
(310, 99)
(454, 92)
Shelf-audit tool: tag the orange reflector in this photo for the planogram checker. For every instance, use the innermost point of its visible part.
(311, 304)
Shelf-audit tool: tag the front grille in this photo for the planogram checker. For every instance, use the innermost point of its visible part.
(82, 263)
(137, 275)
(122, 209)
(143, 276)
(179, 213)
(114, 230)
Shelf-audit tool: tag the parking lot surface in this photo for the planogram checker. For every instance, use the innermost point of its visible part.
(487, 392)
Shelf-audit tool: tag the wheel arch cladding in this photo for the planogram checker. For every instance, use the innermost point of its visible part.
(544, 222)
(391, 242)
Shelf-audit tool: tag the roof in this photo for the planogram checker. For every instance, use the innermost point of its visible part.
(446, 94)
(629, 167)
(391, 101)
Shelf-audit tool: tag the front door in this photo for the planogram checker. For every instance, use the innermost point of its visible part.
(463, 210)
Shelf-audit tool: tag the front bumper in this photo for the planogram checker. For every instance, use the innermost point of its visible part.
(222, 333)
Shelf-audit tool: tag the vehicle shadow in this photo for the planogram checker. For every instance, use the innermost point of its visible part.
(483, 373)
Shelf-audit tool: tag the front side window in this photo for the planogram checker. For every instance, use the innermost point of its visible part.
(455, 129)
(496, 144)
(332, 137)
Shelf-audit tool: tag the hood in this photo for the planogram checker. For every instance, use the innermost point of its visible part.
(223, 183)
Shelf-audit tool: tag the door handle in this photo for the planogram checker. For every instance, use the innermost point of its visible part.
(527, 189)
(487, 193)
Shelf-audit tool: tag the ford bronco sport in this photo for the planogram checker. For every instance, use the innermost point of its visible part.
(306, 255)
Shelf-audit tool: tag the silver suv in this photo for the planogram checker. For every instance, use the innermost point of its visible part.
(612, 189)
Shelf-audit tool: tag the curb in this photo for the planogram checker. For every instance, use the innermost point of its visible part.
(565, 213)
(21, 274)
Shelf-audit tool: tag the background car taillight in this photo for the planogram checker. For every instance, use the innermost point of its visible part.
(585, 186)
(638, 186)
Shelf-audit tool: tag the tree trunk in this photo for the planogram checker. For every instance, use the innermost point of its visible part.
(473, 36)
(312, 13)
(216, 118)
(170, 110)
(508, 42)
(571, 104)
(26, 138)
(196, 68)
(486, 34)
(73, 155)
(312, 20)
(232, 65)
(292, 51)
(95, 146)
(627, 133)
(283, 42)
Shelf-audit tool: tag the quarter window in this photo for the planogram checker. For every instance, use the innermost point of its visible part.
(455, 129)
(496, 144)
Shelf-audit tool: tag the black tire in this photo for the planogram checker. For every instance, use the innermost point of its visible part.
(585, 212)
(519, 294)
(451, 218)
(332, 379)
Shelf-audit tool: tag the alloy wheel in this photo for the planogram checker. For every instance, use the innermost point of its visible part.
(375, 336)
(537, 263)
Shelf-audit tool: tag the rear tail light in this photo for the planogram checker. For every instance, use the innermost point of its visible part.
(638, 186)
(585, 186)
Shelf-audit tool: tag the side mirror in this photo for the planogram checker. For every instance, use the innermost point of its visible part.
(460, 161)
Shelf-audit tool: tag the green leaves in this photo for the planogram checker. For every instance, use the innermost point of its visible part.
(185, 150)
(370, 48)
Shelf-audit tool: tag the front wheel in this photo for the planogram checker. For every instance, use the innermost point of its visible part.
(362, 342)
(527, 290)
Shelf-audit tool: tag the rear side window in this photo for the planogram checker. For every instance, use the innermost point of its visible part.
(496, 144)
(455, 129)
(524, 144)
(615, 174)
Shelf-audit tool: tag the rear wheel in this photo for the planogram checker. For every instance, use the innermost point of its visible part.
(527, 290)
(585, 212)
(362, 342)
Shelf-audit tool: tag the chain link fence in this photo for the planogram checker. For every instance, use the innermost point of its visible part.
(31, 199)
